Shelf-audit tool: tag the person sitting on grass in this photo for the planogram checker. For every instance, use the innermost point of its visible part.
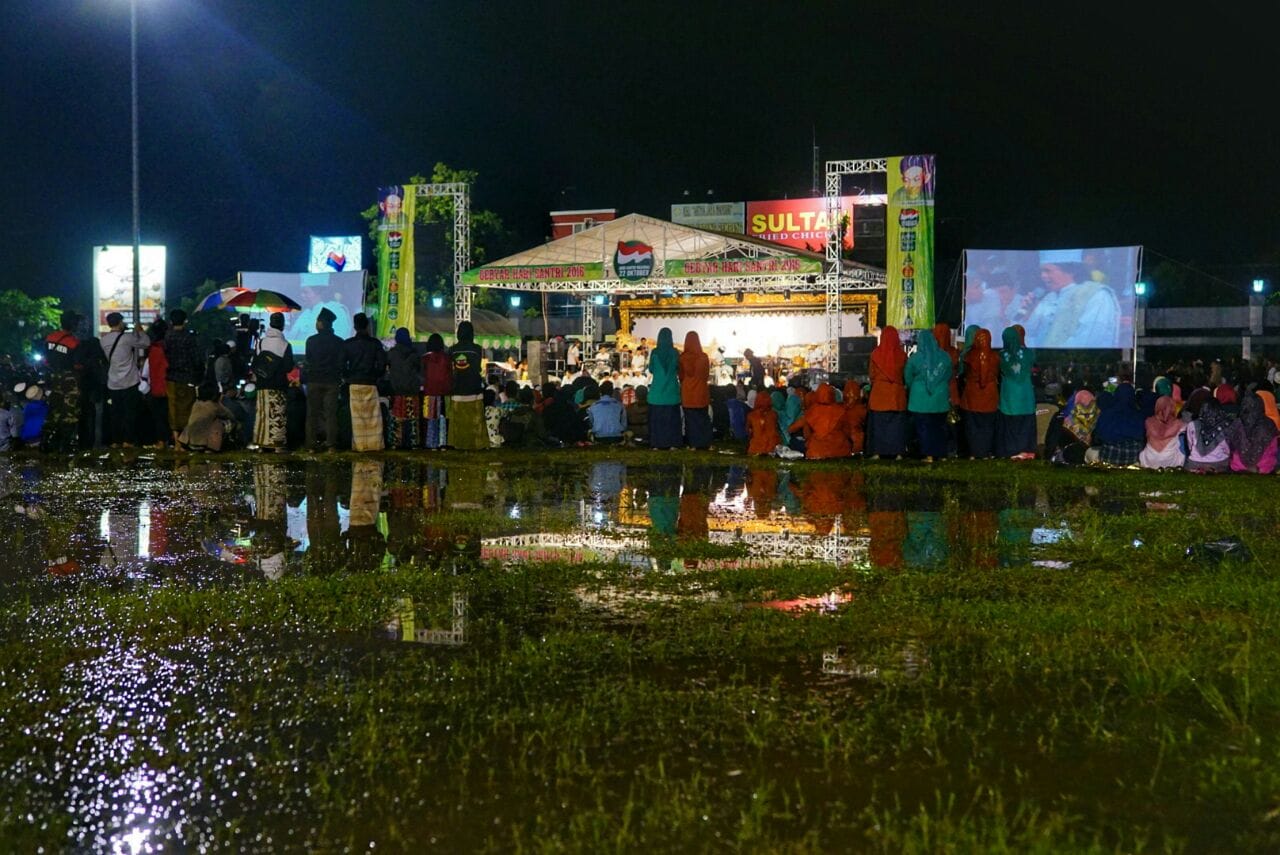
(209, 422)
(1252, 439)
(826, 426)
(1121, 431)
(762, 426)
(608, 418)
(638, 417)
(1164, 449)
(1207, 448)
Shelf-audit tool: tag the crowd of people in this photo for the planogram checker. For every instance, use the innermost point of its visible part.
(159, 387)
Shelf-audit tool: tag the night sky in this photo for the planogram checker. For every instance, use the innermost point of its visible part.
(264, 122)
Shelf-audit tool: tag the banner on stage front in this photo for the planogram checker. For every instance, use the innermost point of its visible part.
(692, 269)
(520, 274)
(909, 239)
(397, 205)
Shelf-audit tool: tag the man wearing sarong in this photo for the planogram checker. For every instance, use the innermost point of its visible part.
(364, 363)
(271, 367)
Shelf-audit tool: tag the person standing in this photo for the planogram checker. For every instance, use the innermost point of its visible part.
(755, 367)
(437, 383)
(157, 399)
(185, 370)
(927, 376)
(1017, 420)
(467, 428)
(122, 401)
(887, 419)
(324, 378)
(405, 368)
(694, 370)
(271, 367)
(981, 395)
(364, 363)
(665, 429)
(61, 355)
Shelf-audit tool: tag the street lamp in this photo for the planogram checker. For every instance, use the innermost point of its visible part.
(137, 209)
(1259, 285)
(437, 302)
(1140, 289)
(515, 301)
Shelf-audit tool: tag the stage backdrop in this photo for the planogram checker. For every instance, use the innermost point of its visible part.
(909, 242)
(341, 293)
(764, 333)
(1064, 298)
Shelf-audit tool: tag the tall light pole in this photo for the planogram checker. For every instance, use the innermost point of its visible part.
(137, 209)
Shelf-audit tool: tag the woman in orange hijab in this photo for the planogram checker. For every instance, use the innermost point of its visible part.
(762, 427)
(887, 422)
(1268, 406)
(694, 372)
(825, 426)
(981, 396)
(856, 413)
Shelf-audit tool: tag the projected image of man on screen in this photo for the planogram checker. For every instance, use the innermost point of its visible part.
(1076, 310)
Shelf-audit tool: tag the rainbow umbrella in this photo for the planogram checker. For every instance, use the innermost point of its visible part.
(263, 300)
(218, 299)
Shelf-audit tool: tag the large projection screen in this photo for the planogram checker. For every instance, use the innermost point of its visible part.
(1069, 299)
(340, 293)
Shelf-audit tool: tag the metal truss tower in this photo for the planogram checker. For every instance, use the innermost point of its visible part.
(460, 192)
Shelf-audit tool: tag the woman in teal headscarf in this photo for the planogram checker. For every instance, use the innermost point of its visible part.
(1017, 437)
(928, 380)
(665, 427)
(970, 336)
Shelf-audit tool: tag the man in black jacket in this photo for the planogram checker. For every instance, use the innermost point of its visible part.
(325, 357)
(364, 362)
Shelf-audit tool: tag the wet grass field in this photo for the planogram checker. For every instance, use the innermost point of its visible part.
(609, 650)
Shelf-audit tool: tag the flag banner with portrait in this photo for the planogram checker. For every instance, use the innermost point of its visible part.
(909, 242)
(397, 205)
(1065, 299)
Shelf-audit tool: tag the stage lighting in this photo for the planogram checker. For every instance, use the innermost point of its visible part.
(515, 301)
(786, 295)
(437, 302)
(1259, 285)
(737, 295)
(1140, 289)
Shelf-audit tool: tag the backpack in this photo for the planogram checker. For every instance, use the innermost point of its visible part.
(268, 369)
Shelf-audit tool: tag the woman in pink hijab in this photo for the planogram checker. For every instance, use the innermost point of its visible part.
(1163, 449)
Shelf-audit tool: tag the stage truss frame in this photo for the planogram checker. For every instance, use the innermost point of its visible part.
(835, 171)
(460, 193)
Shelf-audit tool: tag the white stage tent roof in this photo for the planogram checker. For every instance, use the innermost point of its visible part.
(684, 259)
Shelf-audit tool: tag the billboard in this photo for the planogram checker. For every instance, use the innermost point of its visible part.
(113, 282)
(909, 242)
(1064, 298)
(725, 217)
(334, 254)
(340, 293)
(798, 223)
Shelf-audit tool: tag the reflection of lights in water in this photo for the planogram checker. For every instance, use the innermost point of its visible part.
(144, 529)
(514, 513)
(1044, 535)
(597, 517)
(132, 843)
(104, 526)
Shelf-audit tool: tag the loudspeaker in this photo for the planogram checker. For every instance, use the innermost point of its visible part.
(854, 355)
(537, 359)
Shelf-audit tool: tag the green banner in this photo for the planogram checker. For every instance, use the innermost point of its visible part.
(497, 275)
(693, 268)
(909, 237)
(396, 206)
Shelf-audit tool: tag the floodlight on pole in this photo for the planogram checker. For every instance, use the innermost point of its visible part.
(1140, 289)
(1259, 285)
(437, 302)
(515, 301)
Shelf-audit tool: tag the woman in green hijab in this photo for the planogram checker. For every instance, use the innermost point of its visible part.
(928, 380)
(666, 430)
(1017, 437)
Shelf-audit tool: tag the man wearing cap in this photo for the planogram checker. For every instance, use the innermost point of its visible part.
(120, 422)
(364, 361)
(271, 367)
(1088, 314)
(323, 375)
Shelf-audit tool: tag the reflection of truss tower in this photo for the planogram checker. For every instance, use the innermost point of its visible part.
(456, 634)
(460, 192)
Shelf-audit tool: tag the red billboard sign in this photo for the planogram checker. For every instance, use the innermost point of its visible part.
(798, 223)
